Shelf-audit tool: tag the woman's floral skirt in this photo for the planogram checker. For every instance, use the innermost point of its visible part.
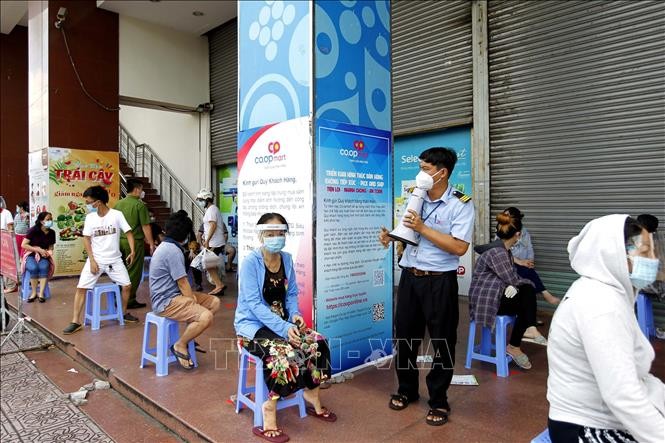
(288, 368)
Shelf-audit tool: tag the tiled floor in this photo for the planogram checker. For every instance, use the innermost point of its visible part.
(499, 410)
(34, 409)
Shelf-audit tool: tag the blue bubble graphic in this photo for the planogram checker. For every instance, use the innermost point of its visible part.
(349, 26)
(350, 80)
(323, 43)
(368, 16)
(381, 46)
(378, 100)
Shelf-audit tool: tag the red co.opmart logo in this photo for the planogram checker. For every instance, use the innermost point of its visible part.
(273, 149)
(356, 152)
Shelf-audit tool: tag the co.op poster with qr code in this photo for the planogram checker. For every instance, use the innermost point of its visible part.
(353, 270)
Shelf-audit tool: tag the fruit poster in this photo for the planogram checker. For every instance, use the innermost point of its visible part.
(71, 172)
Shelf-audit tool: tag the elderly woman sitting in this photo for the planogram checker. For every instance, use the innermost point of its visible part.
(269, 326)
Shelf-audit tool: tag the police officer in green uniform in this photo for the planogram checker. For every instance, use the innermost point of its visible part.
(137, 215)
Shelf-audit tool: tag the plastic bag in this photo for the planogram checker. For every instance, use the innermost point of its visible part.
(205, 259)
(210, 259)
(221, 269)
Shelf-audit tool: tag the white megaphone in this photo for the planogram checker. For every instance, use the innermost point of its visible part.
(401, 232)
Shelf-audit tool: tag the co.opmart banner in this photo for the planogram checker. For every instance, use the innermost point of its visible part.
(354, 275)
(275, 175)
(71, 172)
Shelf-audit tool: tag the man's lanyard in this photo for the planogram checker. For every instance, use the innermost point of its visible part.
(431, 212)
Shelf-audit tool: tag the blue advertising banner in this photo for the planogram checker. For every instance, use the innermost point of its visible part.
(273, 62)
(407, 165)
(352, 62)
(354, 279)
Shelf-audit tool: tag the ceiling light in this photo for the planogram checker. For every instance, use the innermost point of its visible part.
(198, 14)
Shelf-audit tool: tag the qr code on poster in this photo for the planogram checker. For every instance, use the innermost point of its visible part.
(378, 312)
(379, 277)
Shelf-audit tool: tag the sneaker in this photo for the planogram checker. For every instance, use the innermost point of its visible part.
(129, 318)
(135, 305)
(73, 327)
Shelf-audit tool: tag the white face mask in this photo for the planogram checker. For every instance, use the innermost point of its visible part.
(425, 181)
(645, 271)
(201, 203)
(142, 196)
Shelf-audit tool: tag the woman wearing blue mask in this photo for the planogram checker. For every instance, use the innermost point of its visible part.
(270, 326)
(599, 386)
(38, 254)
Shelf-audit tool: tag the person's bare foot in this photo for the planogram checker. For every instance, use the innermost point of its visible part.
(269, 409)
(312, 397)
(532, 332)
(184, 350)
(519, 357)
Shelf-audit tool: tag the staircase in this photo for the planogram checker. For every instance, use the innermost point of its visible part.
(164, 193)
(152, 199)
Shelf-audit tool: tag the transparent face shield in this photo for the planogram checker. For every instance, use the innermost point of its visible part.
(646, 252)
(271, 230)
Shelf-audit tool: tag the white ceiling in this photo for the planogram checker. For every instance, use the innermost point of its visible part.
(13, 13)
(175, 14)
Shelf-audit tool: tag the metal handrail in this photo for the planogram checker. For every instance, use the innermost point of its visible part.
(146, 163)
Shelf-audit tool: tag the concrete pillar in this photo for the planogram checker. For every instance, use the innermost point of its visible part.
(72, 114)
(315, 144)
(14, 111)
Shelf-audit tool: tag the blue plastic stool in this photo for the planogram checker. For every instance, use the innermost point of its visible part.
(25, 287)
(260, 390)
(543, 437)
(93, 305)
(168, 332)
(146, 268)
(645, 315)
(483, 352)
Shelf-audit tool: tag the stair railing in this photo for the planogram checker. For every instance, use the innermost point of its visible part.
(146, 163)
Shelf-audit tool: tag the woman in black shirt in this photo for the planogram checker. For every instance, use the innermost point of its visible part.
(38, 254)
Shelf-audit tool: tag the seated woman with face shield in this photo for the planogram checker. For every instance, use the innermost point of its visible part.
(599, 385)
(270, 326)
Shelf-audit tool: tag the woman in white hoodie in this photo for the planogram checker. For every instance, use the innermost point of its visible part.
(599, 386)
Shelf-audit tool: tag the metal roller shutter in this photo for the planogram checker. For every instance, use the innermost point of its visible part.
(577, 128)
(432, 66)
(224, 92)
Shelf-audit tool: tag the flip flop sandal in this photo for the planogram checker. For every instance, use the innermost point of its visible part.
(326, 415)
(434, 414)
(400, 398)
(539, 340)
(219, 292)
(180, 356)
(522, 361)
(198, 348)
(260, 432)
